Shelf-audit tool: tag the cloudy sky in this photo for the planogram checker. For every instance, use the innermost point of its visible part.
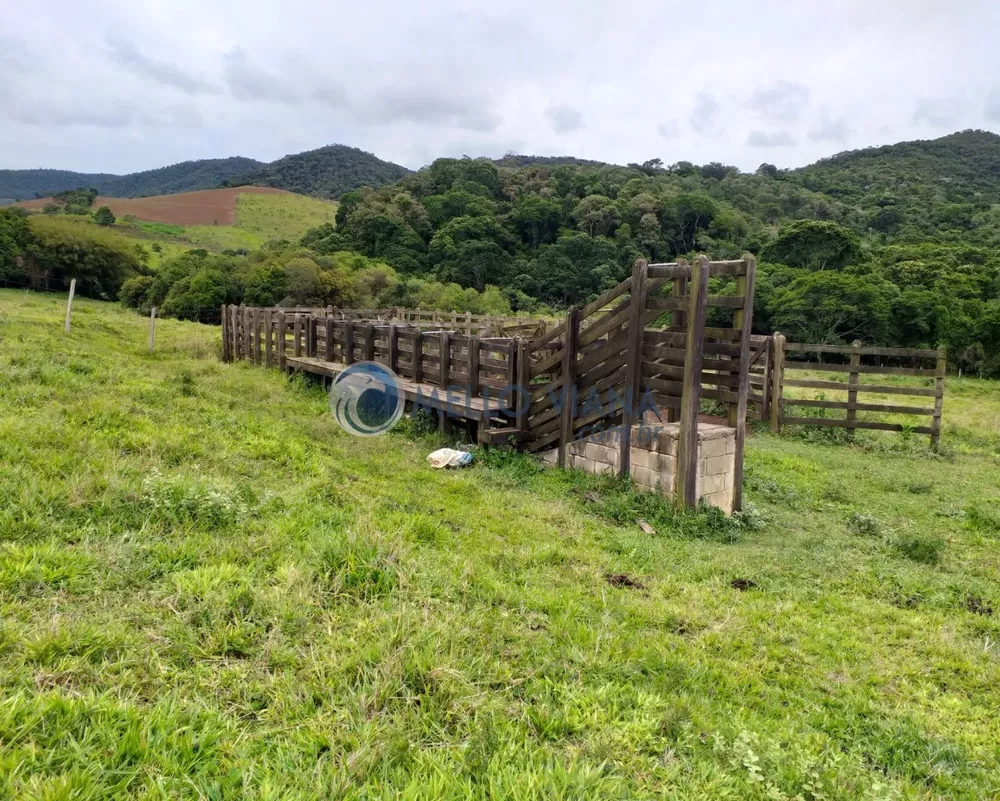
(116, 86)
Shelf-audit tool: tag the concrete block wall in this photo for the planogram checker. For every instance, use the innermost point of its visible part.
(653, 459)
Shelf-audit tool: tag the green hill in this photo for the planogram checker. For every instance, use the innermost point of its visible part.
(916, 189)
(325, 172)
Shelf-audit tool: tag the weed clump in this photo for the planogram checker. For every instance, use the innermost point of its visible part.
(922, 548)
(356, 566)
(863, 524)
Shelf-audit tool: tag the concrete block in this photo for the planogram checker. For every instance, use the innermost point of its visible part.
(710, 431)
(711, 447)
(716, 465)
(731, 444)
(668, 439)
(645, 477)
(550, 457)
(720, 500)
(648, 459)
(598, 452)
(601, 469)
(644, 437)
(708, 485)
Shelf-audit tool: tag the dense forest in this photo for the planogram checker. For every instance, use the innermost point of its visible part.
(890, 245)
(187, 176)
(327, 172)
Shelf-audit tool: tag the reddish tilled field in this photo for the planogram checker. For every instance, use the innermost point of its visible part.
(207, 207)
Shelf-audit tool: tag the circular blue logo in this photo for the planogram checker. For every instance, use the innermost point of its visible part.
(366, 399)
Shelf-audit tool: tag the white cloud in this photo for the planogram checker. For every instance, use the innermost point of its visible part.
(261, 79)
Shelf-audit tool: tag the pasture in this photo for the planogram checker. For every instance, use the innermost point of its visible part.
(208, 590)
(215, 219)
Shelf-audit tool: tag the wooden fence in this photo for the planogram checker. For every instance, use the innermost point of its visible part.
(644, 343)
(856, 361)
(461, 322)
(479, 366)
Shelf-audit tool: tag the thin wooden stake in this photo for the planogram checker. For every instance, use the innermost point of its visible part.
(152, 328)
(69, 304)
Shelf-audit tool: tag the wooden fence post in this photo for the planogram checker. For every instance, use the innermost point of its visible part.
(468, 323)
(225, 335)
(328, 338)
(418, 356)
(444, 359)
(523, 388)
(258, 316)
(743, 319)
(69, 304)
(247, 334)
(234, 327)
(269, 338)
(942, 369)
(369, 343)
(393, 348)
(152, 329)
(569, 381)
(765, 386)
(348, 343)
(633, 362)
(777, 379)
(473, 370)
(687, 451)
(852, 394)
(281, 340)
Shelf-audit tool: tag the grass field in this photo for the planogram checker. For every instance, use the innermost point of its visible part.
(243, 220)
(209, 591)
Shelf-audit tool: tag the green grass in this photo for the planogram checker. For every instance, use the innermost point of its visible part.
(207, 590)
(282, 216)
(223, 237)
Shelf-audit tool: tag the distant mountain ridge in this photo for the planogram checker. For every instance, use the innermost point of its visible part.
(325, 172)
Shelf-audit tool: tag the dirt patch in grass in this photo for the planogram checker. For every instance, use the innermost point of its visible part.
(621, 580)
(206, 207)
(743, 584)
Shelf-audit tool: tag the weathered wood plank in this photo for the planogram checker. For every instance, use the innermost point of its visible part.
(633, 362)
(687, 454)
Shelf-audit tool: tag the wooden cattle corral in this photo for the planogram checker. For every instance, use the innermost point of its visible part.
(642, 346)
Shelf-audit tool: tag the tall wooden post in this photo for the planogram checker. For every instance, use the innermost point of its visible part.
(248, 333)
(765, 386)
(852, 394)
(418, 356)
(348, 343)
(369, 343)
(523, 388)
(743, 319)
(687, 452)
(777, 380)
(633, 363)
(444, 359)
(570, 345)
(258, 316)
(941, 372)
(281, 340)
(234, 325)
(393, 348)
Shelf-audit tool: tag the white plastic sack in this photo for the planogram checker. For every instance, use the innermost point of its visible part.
(447, 457)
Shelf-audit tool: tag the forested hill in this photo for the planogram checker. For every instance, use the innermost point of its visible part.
(325, 172)
(186, 176)
(911, 189)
